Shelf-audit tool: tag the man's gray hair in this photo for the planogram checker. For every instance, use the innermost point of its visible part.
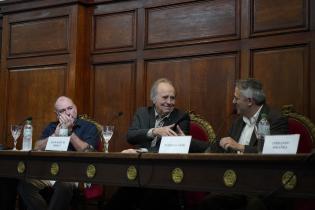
(251, 88)
(155, 85)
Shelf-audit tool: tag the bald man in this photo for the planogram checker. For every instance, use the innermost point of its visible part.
(84, 136)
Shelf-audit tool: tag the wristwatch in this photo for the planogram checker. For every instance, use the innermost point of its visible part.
(89, 148)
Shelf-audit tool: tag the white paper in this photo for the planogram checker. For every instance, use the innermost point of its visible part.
(281, 144)
(175, 144)
(58, 143)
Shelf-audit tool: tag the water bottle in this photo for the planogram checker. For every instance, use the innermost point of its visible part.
(27, 136)
(63, 130)
(263, 130)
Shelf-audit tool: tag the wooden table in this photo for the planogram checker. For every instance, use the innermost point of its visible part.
(246, 173)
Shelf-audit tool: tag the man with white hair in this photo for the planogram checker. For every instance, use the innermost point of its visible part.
(84, 136)
(153, 122)
(148, 126)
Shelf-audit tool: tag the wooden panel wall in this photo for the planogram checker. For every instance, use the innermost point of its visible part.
(106, 55)
(39, 63)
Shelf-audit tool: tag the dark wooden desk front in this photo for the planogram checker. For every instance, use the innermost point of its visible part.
(202, 172)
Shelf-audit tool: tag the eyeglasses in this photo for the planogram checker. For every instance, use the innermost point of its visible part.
(235, 99)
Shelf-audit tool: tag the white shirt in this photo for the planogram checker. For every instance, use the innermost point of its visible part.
(249, 128)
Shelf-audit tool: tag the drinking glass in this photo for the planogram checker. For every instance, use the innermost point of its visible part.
(108, 132)
(16, 132)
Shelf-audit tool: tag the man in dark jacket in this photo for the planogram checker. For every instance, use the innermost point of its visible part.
(151, 123)
(250, 103)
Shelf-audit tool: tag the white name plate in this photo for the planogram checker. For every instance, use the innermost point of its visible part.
(58, 143)
(175, 144)
(281, 144)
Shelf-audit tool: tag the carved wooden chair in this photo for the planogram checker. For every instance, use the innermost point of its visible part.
(299, 124)
(94, 193)
(199, 129)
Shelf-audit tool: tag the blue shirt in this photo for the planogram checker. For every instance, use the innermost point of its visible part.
(85, 130)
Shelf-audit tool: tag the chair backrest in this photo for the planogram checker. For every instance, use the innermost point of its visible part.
(100, 145)
(95, 191)
(200, 129)
(299, 124)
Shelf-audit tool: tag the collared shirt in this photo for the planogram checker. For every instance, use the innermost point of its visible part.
(85, 130)
(159, 122)
(249, 128)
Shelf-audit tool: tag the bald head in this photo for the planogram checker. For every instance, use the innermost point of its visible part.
(65, 105)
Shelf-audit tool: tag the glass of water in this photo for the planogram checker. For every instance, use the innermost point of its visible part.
(108, 132)
(16, 132)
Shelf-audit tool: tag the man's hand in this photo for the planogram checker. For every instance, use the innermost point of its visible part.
(180, 131)
(66, 120)
(164, 131)
(228, 142)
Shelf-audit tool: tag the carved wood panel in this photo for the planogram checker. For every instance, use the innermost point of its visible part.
(114, 92)
(32, 92)
(285, 75)
(200, 21)
(114, 32)
(204, 85)
(39, 32)
(35, 37)
(274, 16)
(202, 45)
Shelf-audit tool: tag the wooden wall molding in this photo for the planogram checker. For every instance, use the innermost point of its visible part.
(291, 65)
(30, 36)
(43, 40)
(108, 81)
(106, 54)
(114, 32)
(193, 22)
(267, 17)
(29, 89)
(196, 80)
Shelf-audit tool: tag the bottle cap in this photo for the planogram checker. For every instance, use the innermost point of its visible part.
(264, 115)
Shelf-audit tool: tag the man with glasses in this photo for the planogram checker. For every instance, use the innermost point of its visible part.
(84, 136)
(250, 103)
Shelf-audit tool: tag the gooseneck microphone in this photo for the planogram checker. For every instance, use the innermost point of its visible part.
(115, 117)
(26, 119)
(182, 118)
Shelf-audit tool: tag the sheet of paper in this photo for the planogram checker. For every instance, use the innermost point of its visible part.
(281, 144)
(175, 144)
(57, 143)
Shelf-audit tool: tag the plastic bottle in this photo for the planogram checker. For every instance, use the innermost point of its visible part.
(27, 136)
(263, 130)
(63, 130)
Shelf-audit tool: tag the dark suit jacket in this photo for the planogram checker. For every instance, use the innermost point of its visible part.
(278, 125)
(144, 119)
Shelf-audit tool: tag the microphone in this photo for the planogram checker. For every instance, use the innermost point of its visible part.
(26, 119)
(179, 120)
(115, 117)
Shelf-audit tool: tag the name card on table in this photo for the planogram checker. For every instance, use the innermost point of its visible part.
(281, 144)
(58, 143)
(175, 144)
